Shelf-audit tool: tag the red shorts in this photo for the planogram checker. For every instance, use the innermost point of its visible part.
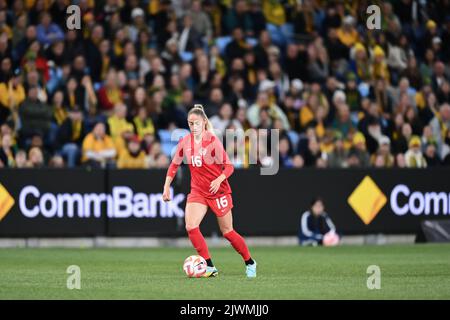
(220, 205)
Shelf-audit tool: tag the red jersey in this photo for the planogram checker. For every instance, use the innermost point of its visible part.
(207, 160)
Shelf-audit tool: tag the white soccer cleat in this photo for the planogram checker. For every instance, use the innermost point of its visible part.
(250, 270)
(211, 272)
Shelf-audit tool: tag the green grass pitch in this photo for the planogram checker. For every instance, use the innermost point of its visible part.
(407, 272)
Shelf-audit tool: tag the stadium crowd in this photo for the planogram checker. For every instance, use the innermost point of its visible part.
(110, 94)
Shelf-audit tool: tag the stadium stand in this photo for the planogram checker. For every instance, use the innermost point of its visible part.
(341, 94)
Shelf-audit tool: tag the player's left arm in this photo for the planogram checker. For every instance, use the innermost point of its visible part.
(228, 168)
(172, 170)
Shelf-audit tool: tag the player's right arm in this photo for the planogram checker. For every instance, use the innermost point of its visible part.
(172, 171)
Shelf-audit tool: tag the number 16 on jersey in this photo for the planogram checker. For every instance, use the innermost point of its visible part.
(196, 161)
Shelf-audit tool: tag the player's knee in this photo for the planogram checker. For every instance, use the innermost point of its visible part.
(191, 226)
(226, 230)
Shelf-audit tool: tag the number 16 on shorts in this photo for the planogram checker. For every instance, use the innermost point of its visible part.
(222, 202)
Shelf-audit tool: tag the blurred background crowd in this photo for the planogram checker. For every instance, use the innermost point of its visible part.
(111, 93)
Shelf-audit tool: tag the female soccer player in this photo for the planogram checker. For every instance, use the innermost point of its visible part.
(210, 168)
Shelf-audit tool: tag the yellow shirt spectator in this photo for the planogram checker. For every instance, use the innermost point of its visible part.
(10, 95)
(128, 161)
(5, 29)
(274, 12)
(347, 32)
(306, 115)
(348, 38)
(132, 157)
(117, 126)
(98, 146)
(379, 66)
(143, 126)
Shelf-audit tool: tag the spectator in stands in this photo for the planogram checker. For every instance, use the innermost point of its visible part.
(48, 32)
(189, 39)
(414, 157)
(338, 156)
(133, 157)
(238, 17)
(316, 227)
(343, 122)
(263, 101)
(202, 78)
(276, 16)
(35, 115)
(440, 123)
(224, 119)
(358, 155)
(201, 21)
(110, 94)
(258, 20)
(56, 161)
(347, 33)
(75, 94)
(7, 153)
(37, 141)
(237, 46)
(280, 79)
(148, 139)
(118, 124)
(138, 23)
(19, 30)
(431, 155)
(154, 153)
(12, 94)
(402, 138)
(215, 102)
(5, 69)
(312, 154)
(359, 62)
(353, 96)
(383, 157)
(98, 148)
(59, 110)
(285, 151)
(445, 155)
(35, 158)
(20, 160)
(319, 65)
(295, 62)
(379, 68)
(70, 136)
(161, 161)
(143, 123)
(34, 79)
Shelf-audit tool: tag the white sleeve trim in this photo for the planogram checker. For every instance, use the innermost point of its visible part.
(304, 224)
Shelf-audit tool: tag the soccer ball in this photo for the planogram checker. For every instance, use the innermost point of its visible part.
(194, 266)
(330, 239)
